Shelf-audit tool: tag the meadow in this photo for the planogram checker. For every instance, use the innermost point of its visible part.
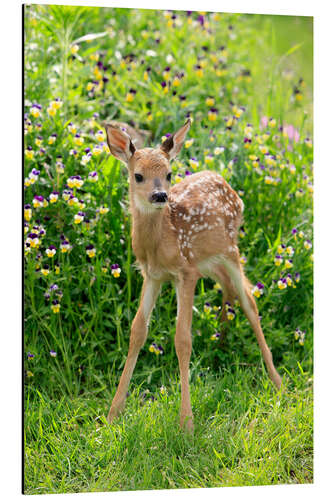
(246, 82)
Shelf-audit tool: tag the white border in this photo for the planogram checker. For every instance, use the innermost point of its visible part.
(10, 364)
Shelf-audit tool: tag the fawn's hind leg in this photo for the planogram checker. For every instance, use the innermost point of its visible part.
(248, 304)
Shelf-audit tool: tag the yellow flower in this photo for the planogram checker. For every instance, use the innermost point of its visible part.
(210, 101)
(188, 143)
(74, 49)
(103, 210)
(29, 153)
(129, 97)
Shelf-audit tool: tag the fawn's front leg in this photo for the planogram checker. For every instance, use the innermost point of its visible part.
(183, 343)
(138, 337)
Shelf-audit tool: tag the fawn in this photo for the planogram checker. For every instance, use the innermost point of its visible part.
(180, 233)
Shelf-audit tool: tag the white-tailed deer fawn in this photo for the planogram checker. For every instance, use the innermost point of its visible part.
(180, 233)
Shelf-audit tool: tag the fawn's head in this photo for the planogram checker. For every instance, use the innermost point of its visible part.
(149, 168)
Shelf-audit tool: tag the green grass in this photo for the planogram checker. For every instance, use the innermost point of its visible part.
(245, 434)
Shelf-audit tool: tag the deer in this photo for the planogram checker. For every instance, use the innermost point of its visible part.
(180, 233)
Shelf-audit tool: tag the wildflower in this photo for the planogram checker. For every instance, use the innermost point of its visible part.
(209, 158)
(53, 354)
(30, 355)
(198, 70)
(292, 169)
(278, 260)
(215, 336)
(188, 143)
(60, 167)
(78, 217)
(99, 135)
(51, 110)
(74, 48)
(33, 240)
(242, 232)
(308, 142)
(55, 306)
(130, 95)
(29, 152)
(115, 270)
(85, 158)
(212, 114)
(26, 227)
(207, 308)
(65, 246)
(258, 289)
(288, 263)
(103, 210)
(54, 196)
(297, 277)
(45, 270)
(66, 194)
(29, 374)
(230, 311)
(78, 140)
(243, 259)
(178, 178)
(272, 122)
(290, 250)
(217, 286)
(75, 181)
(57, 268)
(51, 251)
(301, 234)
(27, 212)
(282, 283)
(289, 280)
(53, 287)
(91, 251)
(51, 140)
(193, 163)
(218, 150)
(163, 390)
(104, 269)
(56, 103)
(281, 248)
(187, 172)
(152, 347)
(35, 110)
(72, 128)
(307, 244)
(93, 176)
(38, 201)
(210, 101)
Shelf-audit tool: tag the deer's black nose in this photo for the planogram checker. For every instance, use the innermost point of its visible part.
(159, 197)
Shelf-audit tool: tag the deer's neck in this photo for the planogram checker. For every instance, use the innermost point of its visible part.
(148, 231)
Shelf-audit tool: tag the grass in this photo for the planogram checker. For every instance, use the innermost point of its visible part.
(245, 434)
(78, 313)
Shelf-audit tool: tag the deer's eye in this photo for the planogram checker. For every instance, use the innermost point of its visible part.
(138, 177)
(168, 177)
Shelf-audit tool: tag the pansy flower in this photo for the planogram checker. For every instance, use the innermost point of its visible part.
(52, 139)
(54, 196)
(65, 246)
(130, 95)
(307, 244)
(93, 176)
(193, 163)
(188, 143)
(281, 248)
(218, 150)
(282, 283)
(78, 139)
(78, 218)
(278, 260)
(210, 101)
(97, 150)
(35, 110)
(258, 289)
(66, 194)
(209, 159)
(60, 167)
(288, 263)
(29, 152)
(242, 232)
(72, 201)
(207, 307)
(289, 280)
(55, 306)
(230, 311)
(212, 114)
(33, 240)
(243, 259)
(99, 135)
(27, 212)
(30, 355)
(103, 210)
(53, 354)
(297, 277)
(75, 181)
(90, 251)
(215, 336)
(290, 250)
(115, 270)
(45, 270)
(51, 251)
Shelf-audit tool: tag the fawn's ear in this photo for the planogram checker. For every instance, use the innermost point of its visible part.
(120, 143)
(173, 144)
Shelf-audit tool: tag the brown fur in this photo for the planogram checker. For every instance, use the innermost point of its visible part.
(193, 235)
